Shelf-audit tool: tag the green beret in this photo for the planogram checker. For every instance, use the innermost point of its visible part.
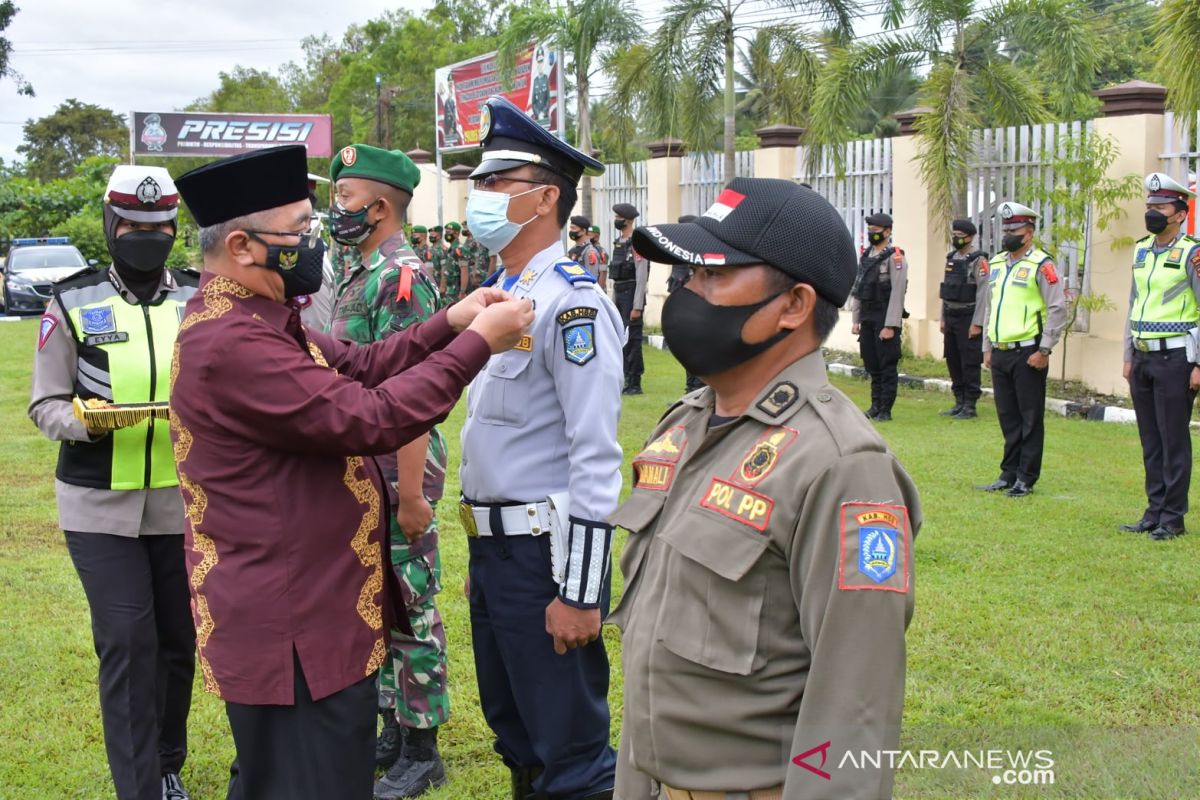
(436, 228)
(419, 229)
(453, 226)
(594, 229)
(375, 164)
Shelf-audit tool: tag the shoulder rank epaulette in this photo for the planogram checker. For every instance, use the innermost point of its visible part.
(574, 273)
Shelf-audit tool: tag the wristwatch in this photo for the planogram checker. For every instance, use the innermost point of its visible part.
(1044, 351)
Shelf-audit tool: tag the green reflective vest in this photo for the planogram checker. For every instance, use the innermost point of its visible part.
(124, 356)
(1163, 303)
(1017, 306)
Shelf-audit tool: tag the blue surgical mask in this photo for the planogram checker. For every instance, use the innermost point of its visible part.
(487, 214)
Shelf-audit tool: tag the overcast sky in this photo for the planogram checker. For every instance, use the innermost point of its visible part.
(137, 55)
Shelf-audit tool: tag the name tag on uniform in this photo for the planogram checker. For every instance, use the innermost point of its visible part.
(743, 505)
(105, 338)
(653, 475)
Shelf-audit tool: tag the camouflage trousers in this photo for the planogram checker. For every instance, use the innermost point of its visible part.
(413, 677)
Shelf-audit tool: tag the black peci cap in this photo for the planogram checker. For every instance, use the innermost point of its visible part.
(763, 221)
(243, 184)
(964, 226)
(625, 211)
(880, 219)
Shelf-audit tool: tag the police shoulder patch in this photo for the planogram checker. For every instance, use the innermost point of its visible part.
(579, 343)
(574, 273)
(1048, 272)
(875, 548)
(49, 323)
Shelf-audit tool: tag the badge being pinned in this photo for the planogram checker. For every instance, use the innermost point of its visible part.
(875, 548)
(49, 323)
(579, 343)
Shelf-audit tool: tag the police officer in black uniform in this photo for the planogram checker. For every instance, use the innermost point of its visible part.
(877, 305)
(629, 273)
(964, 306)
(677, 280)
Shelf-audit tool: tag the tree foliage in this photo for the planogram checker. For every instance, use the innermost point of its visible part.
(56, 144)
(7, 11)
(1177, 30)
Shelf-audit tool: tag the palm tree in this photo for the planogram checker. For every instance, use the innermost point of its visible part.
(582, 28)
(971, 79)
(1177, 32)
(676, 83)
(777, 79)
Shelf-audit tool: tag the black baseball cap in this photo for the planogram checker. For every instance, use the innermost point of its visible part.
(763, 221)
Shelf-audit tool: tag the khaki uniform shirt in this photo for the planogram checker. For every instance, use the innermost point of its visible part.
(769, 582)
(83, 509)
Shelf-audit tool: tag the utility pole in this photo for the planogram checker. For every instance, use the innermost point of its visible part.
(378, 109)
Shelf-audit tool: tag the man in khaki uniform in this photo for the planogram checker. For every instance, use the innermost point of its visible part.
(769, 568)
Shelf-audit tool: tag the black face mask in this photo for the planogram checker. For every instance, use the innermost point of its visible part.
(1156, 221)
(959, 242)
(619, 224)
(1013, 242)
(875, 237)
(141, 252)
(707, 338)
(299, 265)
(350, 227)
(575, 235)
(450, 237)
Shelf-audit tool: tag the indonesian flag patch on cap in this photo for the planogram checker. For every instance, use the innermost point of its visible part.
(724, 205)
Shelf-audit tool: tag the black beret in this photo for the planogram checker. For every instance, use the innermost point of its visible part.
(880, 219)
(625, 210)
(243, 184)
(964, 226)
(763, 221)
(581, 221)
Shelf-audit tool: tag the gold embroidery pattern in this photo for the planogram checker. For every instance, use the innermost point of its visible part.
(216, 305)
(202, 543)
(317, 355)
(364, 492)
(376, 659)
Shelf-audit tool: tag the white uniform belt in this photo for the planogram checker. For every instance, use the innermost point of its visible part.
(1155, 345)
(1014, 345)
(516, 519)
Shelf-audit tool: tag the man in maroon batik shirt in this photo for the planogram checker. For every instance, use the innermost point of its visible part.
(285, 518)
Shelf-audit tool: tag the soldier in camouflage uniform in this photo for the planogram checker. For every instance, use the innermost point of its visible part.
(387, 293)
(479, 259)
(451, 267)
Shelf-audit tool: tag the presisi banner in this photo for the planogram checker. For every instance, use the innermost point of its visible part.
(460, 89)
(202, 133)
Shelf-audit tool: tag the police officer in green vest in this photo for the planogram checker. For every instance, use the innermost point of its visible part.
(108, 337)
(1027, 310)
(1162, 356)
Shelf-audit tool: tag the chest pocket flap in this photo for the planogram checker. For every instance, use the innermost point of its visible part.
(713, 613)
(504, 399)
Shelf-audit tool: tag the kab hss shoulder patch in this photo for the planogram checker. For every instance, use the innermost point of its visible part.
(875, 548)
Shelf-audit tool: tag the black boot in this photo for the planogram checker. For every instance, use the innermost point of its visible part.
(522, 782)
(390, 740)
(418, 770)
(633, 386)
(958, 406)
(872, 411)
(967, 411)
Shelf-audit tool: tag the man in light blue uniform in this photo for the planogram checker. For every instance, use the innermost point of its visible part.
(541, 473)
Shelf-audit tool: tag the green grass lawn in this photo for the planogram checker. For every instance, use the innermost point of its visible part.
(1036, 625)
